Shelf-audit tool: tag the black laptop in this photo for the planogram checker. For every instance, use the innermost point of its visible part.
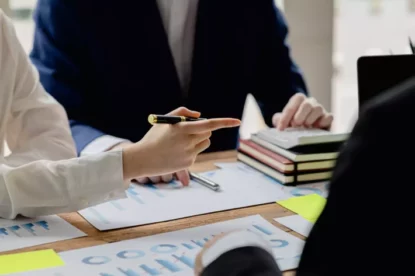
(376, 74)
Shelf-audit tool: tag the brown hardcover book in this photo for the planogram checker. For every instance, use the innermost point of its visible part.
(284, 179)
(324, 152)
(279, 162)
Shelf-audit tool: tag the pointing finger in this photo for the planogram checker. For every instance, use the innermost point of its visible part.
(210, 125)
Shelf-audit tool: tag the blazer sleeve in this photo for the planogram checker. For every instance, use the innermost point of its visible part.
(58, 54)
(240, 253)
(41, 175)
(280, 78)
(370, 170)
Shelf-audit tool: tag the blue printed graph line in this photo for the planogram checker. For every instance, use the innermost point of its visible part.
(42, 224)
(14, 229)
(150, 271)
(199, 243)
(29, 228)
(278, 243)
(134, 195)
(188, 246)
(128, 272)
(3, 232)
(169, 265)
(164, 248)
(305, 191)
(117, 205)
(154, 189)
(185, 260)
(98, 215)
(262, 229)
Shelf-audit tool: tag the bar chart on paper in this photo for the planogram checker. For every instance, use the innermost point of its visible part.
(154, 203)
(20, 233)
(170, 253)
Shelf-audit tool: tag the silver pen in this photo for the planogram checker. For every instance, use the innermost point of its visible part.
(205, 182)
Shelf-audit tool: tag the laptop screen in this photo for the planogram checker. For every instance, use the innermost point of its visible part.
(376, 74)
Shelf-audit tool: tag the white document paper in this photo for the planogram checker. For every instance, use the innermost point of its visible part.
(162, 202)
(296, 223)
(242, 169)
(170, 253)
(21, 233)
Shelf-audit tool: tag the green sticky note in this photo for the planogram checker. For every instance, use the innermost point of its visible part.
(22, 262)
(308, 206)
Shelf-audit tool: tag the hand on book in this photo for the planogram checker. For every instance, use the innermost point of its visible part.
(302, 111)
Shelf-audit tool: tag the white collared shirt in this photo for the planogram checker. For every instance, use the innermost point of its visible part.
(38, 178)
(179, 19)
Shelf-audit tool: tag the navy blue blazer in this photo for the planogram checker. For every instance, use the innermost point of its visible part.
(111, 65)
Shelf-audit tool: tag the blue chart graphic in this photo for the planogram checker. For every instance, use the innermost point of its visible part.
(149, 270)
(117, 205)
(14, 229)
(133, 194)
(278, 243)
(199, 243)
(209, 174)
(262, 229)
(188, 246)
(305, 191)
(3, 232)
(164, 248)
(154, 189)
(98, 215)
(131, 254)
(29, 228)
(169, 265)
(129, 272)
(42, 224)
(186, 260)
(96, 260)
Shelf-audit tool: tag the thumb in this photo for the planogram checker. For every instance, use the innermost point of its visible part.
(183, 111)
(276, 119)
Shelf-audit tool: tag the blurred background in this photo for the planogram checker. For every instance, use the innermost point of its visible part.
(327, 37)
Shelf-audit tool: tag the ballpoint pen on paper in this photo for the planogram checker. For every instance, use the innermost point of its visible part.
(205, 182)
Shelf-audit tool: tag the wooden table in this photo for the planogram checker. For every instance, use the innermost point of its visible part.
(204, 162)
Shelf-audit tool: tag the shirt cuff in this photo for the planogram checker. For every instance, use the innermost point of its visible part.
(233, 241)
(103, 176)
(101, 144)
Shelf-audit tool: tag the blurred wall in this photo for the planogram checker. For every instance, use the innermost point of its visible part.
(4, 5)
(311, 39)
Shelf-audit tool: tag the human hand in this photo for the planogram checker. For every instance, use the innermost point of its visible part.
(198, 268)
(183, 176)
(302, 111)
(170, 148)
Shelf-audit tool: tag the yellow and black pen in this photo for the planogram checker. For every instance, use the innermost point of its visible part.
(166, 119)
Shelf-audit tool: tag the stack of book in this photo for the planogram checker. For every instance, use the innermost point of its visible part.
(293, 156)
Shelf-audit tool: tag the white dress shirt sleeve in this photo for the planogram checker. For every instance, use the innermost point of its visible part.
(102, 144)
(231, 241)
(39, 177)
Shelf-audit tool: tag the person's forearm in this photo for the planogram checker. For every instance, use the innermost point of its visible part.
(51, 187)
